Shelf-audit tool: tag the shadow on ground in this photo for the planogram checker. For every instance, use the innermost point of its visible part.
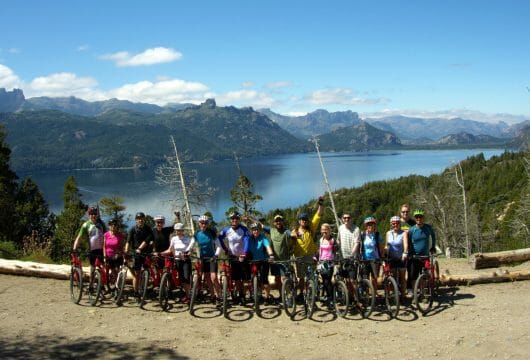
(48, 347)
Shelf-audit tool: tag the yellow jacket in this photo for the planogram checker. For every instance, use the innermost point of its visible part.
(305, 245)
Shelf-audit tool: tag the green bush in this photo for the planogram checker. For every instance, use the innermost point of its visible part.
(8, 250)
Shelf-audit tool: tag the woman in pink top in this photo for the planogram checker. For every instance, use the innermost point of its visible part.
(326, 257)
(113, 242)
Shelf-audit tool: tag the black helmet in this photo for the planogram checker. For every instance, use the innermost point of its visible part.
(113, 222)
(234, 215)
(93, 210)
(140, 215)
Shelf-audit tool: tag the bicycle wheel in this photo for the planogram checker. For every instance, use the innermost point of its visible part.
(194, 291)
(120, 285)
(289, 297)
(423, 293)
(340, 298)
(366, 297)
(224, 282)
(310, 297)
(142, 288)
(255, 293)
(163, 293)
(391, 296)
(94, 289)
(76, 284)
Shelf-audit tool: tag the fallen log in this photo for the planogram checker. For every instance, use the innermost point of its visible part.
(496, 259)
(484, 278)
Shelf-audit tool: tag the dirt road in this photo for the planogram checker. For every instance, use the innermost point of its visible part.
(39, 321)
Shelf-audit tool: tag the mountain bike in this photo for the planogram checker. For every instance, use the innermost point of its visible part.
(310, 289)
(391, 289)
(426, 286)
(364, 292)
(150, 273)
(76, 278)
(341, 297)
(289, 285)
(120, 282)
(170, 280)
(254, 286)
(227, 286)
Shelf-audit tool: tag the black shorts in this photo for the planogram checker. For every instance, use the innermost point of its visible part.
(240, 270)
(138, 262)
(263, 272)
(209, 266)
(278, 269)
(396, 263)
(95, 254)
(115, 262)
(372, 268)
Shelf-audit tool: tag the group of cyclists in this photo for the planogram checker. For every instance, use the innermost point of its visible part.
(247, 240)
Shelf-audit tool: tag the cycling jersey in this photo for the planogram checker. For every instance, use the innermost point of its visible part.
(180, 245)
(137, 235)
(161, 238)
(257, 247)
(305, 244)
(419, 237)
(208, 244)
(280, 242)
(237, 239)
(370, 245)
(113, 243)
(394, 241)
(94, 232)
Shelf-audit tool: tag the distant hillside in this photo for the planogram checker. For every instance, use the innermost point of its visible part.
(11, 100)
(409, 128)
(464, 138)
(47, 139)
(358, 137)
(522, 140)
(314, 123)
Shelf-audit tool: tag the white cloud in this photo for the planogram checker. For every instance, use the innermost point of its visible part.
(83, 47)
(151, 56)
(162, 92)
(338, 96)
(277, 84)
(247, 84)
(64, 84)
(246, 98)
(8, 79)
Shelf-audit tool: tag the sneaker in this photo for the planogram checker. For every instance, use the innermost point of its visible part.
(330, 305)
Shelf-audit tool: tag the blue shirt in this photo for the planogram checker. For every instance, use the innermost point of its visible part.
(237, 239)
(419, 236)
(257, 247)
(370, 246)
(206, 242)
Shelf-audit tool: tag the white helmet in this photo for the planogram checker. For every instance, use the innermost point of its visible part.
(204, 218)
(159, 218)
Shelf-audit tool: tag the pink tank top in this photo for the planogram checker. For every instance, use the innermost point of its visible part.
(113, 243)
(326, 250)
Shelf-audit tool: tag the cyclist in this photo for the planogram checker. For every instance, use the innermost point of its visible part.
(371, 248)
(349, 236)
(405, 219)
(304, 245)
(180, 246)
(237, 236)
(260, 250)
(282, 248)
(326, 256)
(209, 247)
(139, 240)
(161, 235)
(93, 230)
(419, 236)
(397, 249)
(113, 242)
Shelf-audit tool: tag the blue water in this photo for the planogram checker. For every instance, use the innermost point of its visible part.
(283, 181)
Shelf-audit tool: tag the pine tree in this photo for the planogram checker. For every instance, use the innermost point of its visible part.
(244, 198)
(8, 187)
(68, 222)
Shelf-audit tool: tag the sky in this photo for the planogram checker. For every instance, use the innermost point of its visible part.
(425, 58)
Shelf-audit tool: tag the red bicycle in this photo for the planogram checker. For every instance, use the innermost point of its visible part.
(76, 278)
(150, 274)
(426, 285)
(227, 285)
(170, 280)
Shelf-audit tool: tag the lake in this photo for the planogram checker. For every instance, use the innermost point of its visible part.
(283, 181)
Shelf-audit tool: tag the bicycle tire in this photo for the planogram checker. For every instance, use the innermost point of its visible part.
(341, 298)
(76, 284)
(224, 282)
(94, 291)
(255, 293)
(423, 293)
(164, 291)
(366, 297)
(193, 295)
(310, 297)
(391, 296)
(142, 288)
(289, 297)
(120, 285)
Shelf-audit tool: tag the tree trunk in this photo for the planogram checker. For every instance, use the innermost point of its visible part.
(473, 279)
(495, 259)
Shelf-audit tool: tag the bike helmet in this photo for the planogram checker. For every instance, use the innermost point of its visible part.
(234, 215)
(93, 210)
(303, 216)
(178, 226)
(139, 215)
(255, 226)
(418, 213)
(370, 219)
(204, 219)
(395, 219)
(159, 218)
(113, 222)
